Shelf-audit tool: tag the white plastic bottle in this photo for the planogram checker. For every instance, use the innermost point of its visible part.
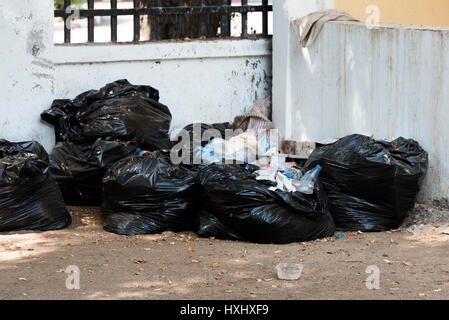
(307, 183)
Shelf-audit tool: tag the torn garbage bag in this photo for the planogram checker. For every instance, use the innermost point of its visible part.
(79, 169)
(118, 111)
(371, 184)
(29, 196)
(199, 135)
(147, 194)
(236, 206)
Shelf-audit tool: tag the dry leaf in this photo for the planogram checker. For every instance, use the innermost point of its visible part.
(140, 261)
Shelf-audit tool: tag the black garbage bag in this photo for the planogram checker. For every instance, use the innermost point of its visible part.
(147, 194)
(371, 184)
(29, 196)
(199, 139)
(118, 111)
(203, 127)
(8, 148)
(238, 207)
(79, 169)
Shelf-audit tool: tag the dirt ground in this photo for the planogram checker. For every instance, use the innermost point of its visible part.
(413, 265)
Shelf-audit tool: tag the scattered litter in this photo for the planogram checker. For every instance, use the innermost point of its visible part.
(237, 206)
(257, 118)
(394, 289)
(289, 271)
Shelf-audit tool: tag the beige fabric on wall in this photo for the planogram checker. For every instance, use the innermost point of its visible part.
(257, 119)
(311, 25)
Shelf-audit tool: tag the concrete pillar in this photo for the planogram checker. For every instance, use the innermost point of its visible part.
(284, 12)
(27, 72)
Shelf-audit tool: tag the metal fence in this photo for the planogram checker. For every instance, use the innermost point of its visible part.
(185, 15)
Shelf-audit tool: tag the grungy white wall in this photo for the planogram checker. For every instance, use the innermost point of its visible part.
(26, 69)
(286, 11)
(210, 81)
(392, 81)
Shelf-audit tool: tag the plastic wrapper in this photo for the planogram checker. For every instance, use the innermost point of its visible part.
(29, 196)
(118, 111)
(238, 207)
(147, 194)
(199, 139)
(371, 184)
(79, 169)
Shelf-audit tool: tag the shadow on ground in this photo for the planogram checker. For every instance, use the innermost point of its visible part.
(183, 266)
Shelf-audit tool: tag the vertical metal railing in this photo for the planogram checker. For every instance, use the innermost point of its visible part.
(181, 21)
(244, 20)
(67, 32)
(113, 22)
(192, 19)
(136, 36)
(265, 18)
(202, 22)
(226, 21)
(90, 22)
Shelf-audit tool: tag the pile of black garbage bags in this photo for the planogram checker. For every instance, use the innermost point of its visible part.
(371, 185)
(113, 149)
(29, 196)
(98, 128)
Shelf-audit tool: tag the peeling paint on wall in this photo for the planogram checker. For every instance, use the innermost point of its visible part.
(387, 82)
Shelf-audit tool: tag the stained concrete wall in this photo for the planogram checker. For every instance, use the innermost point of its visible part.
(391, 81)
(26, 69)
(210, 81)
(286, 11)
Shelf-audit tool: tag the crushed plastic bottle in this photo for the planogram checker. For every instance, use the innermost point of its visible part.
(307, 183)
(289, 271)
(293, 174)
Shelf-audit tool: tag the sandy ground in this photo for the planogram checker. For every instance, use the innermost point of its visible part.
(413, 265)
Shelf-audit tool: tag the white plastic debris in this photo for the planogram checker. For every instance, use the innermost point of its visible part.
(289, 271)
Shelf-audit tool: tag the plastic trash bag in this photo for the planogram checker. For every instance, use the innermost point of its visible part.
(147, 194)
(371, 184)
(79, 169)
(238, 207)
(29, 196)
(118, 111)
(197, 132)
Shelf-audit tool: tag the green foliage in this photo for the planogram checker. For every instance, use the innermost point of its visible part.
(59, 4)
